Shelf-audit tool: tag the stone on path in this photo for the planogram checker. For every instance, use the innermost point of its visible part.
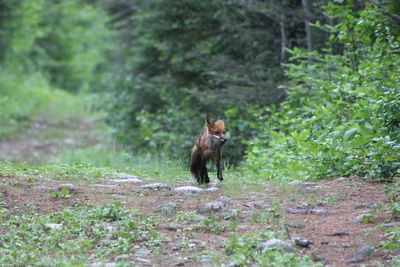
(128, 180)
(127, 176)
(156, 186)
(188, 190)
(53, 226)
(361, 255)
(302, 242)
(275, 243)
(211, 207)
(310, 211)
(212, 189)
(167, 210)
(259, 204)
(105, 185)
(225, 200)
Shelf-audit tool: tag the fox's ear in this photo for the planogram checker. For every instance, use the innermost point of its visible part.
(220, 117)
(209, 121)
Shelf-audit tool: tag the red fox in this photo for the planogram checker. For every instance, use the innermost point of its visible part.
(207, 144)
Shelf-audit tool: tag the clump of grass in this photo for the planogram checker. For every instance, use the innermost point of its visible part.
(74, 236)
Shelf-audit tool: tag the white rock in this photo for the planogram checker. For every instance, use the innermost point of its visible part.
(128, 180)
(188, 190)
(156, 186)
(53, 226)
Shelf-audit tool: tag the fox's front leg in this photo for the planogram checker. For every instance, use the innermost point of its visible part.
(218, 164)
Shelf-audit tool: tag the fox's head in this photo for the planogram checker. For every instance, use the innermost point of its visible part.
(217, 128)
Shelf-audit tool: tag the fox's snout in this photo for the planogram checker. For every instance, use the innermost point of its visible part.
(221, 139)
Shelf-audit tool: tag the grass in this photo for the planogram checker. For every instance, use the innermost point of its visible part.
(82, 235)
(144, 165)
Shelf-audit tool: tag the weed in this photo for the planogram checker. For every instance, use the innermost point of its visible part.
(244, 251)
(86, 233)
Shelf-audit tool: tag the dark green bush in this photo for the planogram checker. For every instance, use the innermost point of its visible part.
(342, 116)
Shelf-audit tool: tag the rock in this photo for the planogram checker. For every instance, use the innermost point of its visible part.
(212, 189)
(310, 211)
(297, 211)
(365, 218)
(127, 176)
(128, 180)
(341, 179)
(199, 218)
(105, 185)
(339, 234)
(364, 206)
(103, 264)
(309, 184)
(167, 210)
(215, 184)
(298, 225)
(302, 242)
(143, 260)
(361, 255)
(188, 190)
(318, 258)
(294, 182)
(53, 226)
(225, 200)
(66, 186)
(206, 262)
(322, 212)
(277, 243)
(308, 190)
(211, 207)
(156, 186)
(259, 204)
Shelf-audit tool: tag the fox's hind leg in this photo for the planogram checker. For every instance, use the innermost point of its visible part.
(204, 173)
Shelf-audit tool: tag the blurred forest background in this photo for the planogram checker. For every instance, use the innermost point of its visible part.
(307, 88)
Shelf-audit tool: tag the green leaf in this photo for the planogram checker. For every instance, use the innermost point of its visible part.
(349, 134)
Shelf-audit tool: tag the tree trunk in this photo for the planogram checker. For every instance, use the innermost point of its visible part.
(306, 9)
(283, 36)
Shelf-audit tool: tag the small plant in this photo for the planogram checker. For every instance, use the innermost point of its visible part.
(63, 193)
(211, 224)
(245, 251)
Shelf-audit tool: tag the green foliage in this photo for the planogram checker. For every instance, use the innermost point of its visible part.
(189, 59)
(24, 96)
(82, 235)
(242, 251)
(66, 40)
(43, 44)
(342, 113)
(73, 42)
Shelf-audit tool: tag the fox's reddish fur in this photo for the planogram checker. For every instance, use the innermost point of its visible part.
(208, 144)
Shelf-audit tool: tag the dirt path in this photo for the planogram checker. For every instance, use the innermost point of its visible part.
(41, 138)
(323, 213)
